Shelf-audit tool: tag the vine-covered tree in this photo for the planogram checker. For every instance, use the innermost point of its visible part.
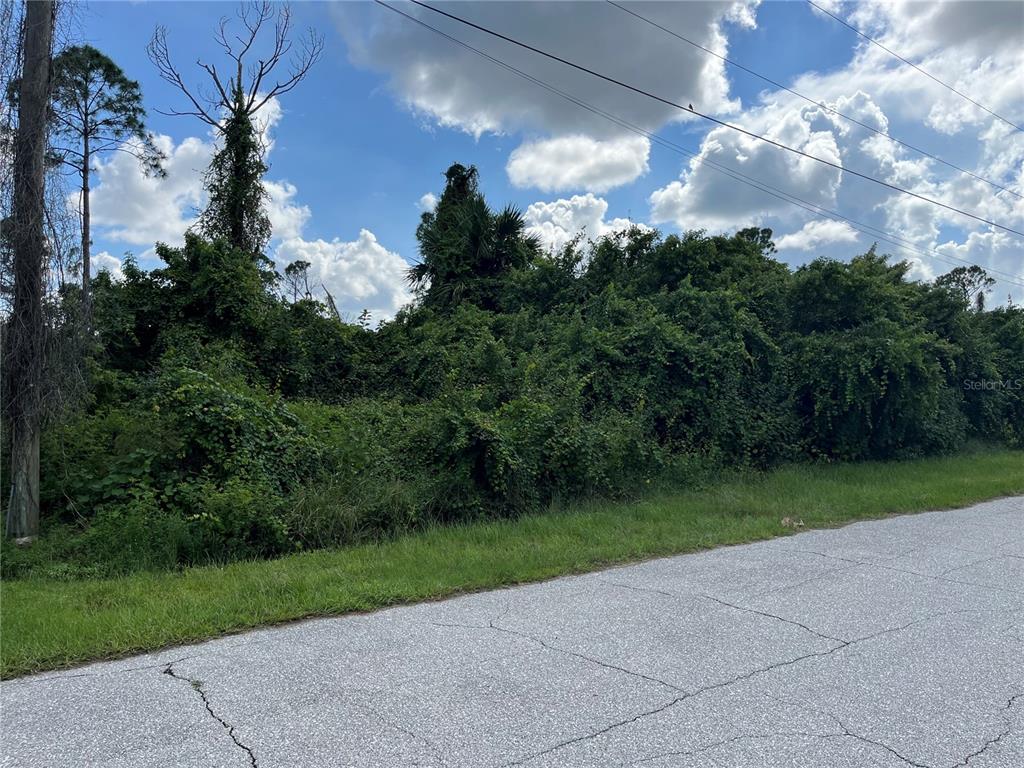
(96, 109)
(236, 198)
(236, 208)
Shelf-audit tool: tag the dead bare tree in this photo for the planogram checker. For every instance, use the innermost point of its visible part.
(26, 339)
(332, 305)
(236, 207)
(247, 89)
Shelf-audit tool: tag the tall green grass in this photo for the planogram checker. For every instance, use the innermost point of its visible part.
(45, 624)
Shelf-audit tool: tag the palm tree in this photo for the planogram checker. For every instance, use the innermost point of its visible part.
(465, 249)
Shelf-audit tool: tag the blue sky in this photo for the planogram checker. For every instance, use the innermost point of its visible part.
(360, 142)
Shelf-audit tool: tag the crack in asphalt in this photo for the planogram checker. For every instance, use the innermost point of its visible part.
(79, 675)
(996, 739)
(717, 744)
(770, 591)
(493, 625)
(389, 723)
(860, 737)
(653, 591)
(847, 731)
(808, 580)
(912, 573)
(197, 686)
(672, 703)
(727, 604)
(842, 644)
(773, 616)
(584, 657)
(973, 563)
(635, 588)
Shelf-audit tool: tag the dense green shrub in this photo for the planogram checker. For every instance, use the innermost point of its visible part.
(194, 469)
(119, 537)
(102, 458)
(230, 432)
(874, 392)
(239, 518)
(1003, 384)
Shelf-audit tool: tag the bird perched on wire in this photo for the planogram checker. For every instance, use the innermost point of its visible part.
(690, 107)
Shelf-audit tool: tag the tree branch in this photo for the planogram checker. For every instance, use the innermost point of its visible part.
(312, 49)
(159, 55)
(254, 17)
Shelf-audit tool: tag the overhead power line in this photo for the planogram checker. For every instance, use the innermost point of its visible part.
(930, 76)
(809, 100)
(715, 120)
(816, 210)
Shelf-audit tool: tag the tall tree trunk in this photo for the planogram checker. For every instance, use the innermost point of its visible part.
(26, 324)
(86, 235)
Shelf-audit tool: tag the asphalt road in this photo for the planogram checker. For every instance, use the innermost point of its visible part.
(889, 643)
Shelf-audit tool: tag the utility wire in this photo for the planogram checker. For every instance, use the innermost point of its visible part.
(809, 100)
(813, 208)
(715, 120)
(912, 64)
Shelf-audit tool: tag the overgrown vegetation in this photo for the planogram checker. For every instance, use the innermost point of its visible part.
(227, 422)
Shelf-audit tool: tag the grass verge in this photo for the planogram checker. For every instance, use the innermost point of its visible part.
(48, 624)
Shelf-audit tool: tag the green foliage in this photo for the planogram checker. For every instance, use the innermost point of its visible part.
(228, 433)
(968, 284)
(873, 392)
(125, 533)
(1004, 385)
(870, 378)
(227, 422)
(212, 295)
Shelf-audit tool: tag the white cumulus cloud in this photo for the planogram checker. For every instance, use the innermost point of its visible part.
(706, 198)
(578, 162)
(140, 210)
(286, 218)
(360, 274)
(104, 262)
(427, 203)
(816, 233)
(454, 87)
(557, 222)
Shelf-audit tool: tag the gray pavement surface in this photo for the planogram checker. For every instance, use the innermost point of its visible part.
(889, 643)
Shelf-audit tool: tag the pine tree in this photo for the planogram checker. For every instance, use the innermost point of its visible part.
(95, 109)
